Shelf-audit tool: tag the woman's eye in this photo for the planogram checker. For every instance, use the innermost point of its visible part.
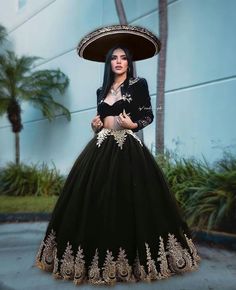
(115, 57)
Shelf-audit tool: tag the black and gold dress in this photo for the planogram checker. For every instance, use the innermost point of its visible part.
(116, 219)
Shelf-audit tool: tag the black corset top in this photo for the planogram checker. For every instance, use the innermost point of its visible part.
(104, 109)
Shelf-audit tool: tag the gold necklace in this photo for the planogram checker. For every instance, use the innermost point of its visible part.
(115, 92)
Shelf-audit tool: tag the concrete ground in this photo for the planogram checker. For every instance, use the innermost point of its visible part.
(19, 244)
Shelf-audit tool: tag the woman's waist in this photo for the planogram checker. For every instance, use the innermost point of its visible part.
(119, 136)
(108, 117)
(111, 122)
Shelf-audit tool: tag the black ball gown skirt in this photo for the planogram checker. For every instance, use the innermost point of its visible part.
(116, 219)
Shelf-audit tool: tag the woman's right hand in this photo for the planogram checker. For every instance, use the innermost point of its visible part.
(96, 123)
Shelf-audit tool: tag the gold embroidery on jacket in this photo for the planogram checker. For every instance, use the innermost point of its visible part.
(119, 136)
(127, 97)
(174, 259)
(133, 81)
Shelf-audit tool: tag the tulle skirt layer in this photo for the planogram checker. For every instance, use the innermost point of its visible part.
(116, 219)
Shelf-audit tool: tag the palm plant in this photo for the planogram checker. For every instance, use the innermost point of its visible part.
(19, 83)
(3, 34)
(214, 201)
(33, 179)
(207, 194)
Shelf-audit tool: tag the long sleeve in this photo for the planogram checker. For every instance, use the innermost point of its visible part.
(98, 95)
(145, 107)
(98, 92)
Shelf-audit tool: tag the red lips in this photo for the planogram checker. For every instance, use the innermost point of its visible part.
(118, 67)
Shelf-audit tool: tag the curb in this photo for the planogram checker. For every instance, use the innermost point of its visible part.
(227, 240)
(24, 217)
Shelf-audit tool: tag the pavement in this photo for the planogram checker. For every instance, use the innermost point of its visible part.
(19, 243)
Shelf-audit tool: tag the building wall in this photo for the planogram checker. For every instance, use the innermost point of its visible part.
(200, 81)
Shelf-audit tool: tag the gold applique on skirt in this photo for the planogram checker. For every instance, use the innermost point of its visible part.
(119, 136)
(172, 259)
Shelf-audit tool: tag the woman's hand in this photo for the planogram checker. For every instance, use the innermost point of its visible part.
(96, 123)
(125, 121)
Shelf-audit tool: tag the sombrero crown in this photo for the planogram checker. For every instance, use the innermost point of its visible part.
(141, 42)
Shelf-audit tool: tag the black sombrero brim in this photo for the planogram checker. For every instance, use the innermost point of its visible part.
(141, 42)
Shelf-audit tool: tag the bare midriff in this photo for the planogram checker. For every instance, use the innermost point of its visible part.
(110, 122)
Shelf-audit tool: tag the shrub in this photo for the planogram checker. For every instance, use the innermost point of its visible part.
(34, 179)
(206, 193)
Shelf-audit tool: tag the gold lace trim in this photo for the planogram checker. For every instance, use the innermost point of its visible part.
(119, 136)
(171, 259)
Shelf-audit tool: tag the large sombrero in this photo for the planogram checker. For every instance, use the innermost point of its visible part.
(141, 42)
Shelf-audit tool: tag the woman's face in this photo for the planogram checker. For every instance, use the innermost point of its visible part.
(119, 62)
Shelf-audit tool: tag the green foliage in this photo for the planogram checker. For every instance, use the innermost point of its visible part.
(206, 193)
(35, 179)
(3, 34)
(19, 82)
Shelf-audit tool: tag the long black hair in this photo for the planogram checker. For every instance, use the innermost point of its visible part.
(108, 77)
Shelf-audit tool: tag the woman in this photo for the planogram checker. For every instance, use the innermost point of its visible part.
(116, 219)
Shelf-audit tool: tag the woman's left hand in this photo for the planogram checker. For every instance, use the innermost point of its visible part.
(125, 121)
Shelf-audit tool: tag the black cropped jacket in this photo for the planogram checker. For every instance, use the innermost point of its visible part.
(135, 100)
